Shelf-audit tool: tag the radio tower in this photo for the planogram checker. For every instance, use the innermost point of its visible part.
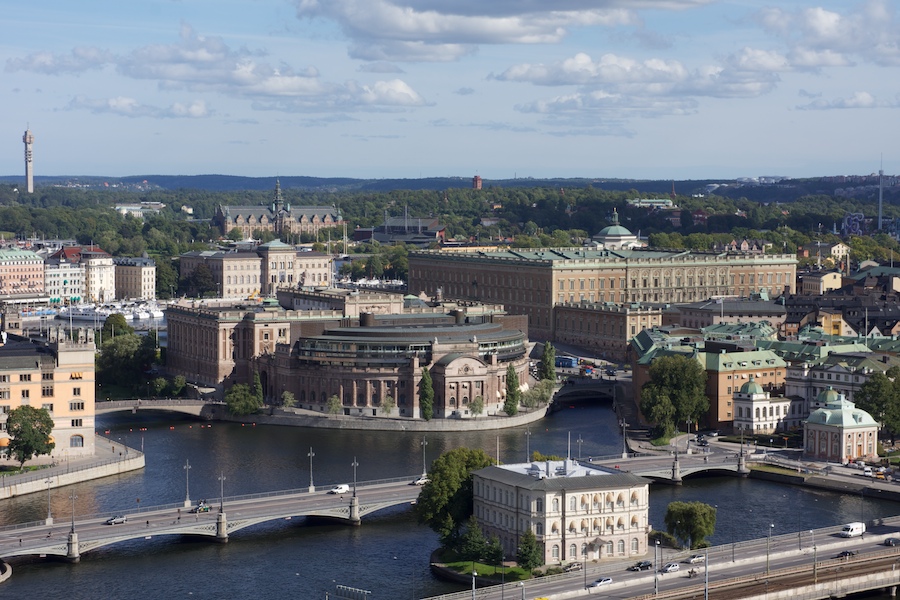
(29, 161)
(880, 191)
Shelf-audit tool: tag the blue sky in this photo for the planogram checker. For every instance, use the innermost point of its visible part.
(657, 89)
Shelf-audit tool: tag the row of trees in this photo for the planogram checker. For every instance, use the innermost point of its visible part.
(674, 394)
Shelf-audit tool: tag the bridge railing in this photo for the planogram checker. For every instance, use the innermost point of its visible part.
(176, 506)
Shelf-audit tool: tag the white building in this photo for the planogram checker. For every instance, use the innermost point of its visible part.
(577, 511)
(63, 281)
(756, 412)
(839, 431)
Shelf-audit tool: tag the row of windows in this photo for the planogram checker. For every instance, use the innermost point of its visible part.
(609, 547)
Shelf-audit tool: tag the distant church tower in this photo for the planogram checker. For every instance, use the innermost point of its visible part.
(29, 161)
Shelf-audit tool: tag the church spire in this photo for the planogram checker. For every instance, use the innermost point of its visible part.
(279, 201)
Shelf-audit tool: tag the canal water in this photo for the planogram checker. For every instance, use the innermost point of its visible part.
(387, 555)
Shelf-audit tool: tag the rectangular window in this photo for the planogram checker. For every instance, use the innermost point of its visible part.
(4, 378)
(76, 391)
(76, 405)
(47, 391)
(47, 407)
(26, 394)
(4, 409)
(25, 377)
(76, 422)
(47, 376)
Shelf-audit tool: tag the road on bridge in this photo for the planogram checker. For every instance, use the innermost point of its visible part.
(175, 519)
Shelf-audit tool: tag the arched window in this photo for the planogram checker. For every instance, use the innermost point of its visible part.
(609, 548)
(554, 552)
(539, 529)
(572, 503)
(635, 546)
(556, 505)
(539, 505)
(76, 441)
(584, 550)
(621, 546)
(573, 550)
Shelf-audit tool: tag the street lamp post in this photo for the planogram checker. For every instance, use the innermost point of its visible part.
(522, 585)
(310, 454)
(579, 441)
(768, 543)
(187, 482)
(73, 497)
(624, 440)
(222, 492)
(355, 464)
(424, 468)
(527, 446)
(474, 575)
(49, 515)
(656, 569)
(812, 535)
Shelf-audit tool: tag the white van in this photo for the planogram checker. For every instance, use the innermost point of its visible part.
(853, 530)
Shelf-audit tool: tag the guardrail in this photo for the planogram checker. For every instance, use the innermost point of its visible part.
(211, 501)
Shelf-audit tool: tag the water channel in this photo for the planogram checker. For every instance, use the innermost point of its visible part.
(388, 554)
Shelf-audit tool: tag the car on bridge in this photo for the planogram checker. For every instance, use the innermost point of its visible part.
(641, 565)
(600, 582)
(117, 520)
(670, 568)
(892, 542)
(201, 507)
(420, 481)
(695, 558)
(847, 553)
(339, 489)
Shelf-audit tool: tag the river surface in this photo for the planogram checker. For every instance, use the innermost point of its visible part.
(388, 554)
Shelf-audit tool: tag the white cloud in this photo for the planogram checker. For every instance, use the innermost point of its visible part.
(430, 30)
(129, 107)
(379, 67)
(818, 37)
(857, 100)
(80, 59)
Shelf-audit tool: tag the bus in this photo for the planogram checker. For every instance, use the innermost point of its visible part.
(567, 362)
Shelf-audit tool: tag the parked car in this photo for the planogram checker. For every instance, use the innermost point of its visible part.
(867, 472)
(572, 567)
(703, 443)
(892, 542)
(117, 520)
(641, 565)
(670, 568)
(339, 489)
(695, 558)
(601, 581)
(847, 553)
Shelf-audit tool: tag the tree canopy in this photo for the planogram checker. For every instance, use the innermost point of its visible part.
(528, 554)
(426, 395)
(880, 397)
(674, 394)
(29, 429)
(445, 503)
(690, 522)
(513, 393)
(547, 366)
(241, 400)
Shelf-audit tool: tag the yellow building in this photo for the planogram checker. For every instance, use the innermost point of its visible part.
(58, 376)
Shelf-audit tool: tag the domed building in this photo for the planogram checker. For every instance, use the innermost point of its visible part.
(616, 237)
(757, 413)
(838, 431)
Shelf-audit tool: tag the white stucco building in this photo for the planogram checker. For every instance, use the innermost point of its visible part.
(757, 412)
(839, 431)
(577, 511)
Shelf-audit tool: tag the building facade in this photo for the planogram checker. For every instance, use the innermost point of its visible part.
(533, 282)
(135, 278)
(21, 272)
(63, 281)
(577, 511)
(757, 412)
(838, 431)
(99, 271)
(604, 328)
(282, 219)
(59, 377)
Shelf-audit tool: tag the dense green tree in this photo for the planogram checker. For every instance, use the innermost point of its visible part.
(29, 429)
(334, 406)
(476, 407)
(690, 522)
(513, 393)
(472, 544)
(388, 404)
(258, 389)
(119, 361)
(529, 555)
(446, 502)
(241, 401)
(426, 395)
(177, 385)
(166, 278)
(880, 397)
(493, 553)
(675, 393)
(547, 366)
(287, 399)
(115, 324)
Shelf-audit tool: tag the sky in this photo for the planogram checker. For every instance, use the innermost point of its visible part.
(650, 89)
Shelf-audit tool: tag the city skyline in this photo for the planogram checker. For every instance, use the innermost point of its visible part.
(654, 89)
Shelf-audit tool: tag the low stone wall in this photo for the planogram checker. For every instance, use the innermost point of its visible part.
(282, 417)
(5, 571)
(60, 479)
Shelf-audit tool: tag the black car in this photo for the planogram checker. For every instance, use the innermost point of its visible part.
(847, 554)
(643, 565)
(892, 542)
(703, 443)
